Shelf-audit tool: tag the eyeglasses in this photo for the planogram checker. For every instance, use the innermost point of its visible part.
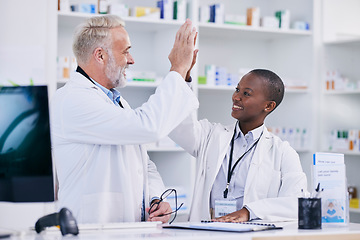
(163, 196)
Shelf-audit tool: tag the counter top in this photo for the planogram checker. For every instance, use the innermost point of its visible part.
(289, 231)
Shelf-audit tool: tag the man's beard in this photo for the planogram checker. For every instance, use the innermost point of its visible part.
(114, 73)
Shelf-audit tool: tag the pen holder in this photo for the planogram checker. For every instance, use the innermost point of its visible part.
(309, 213)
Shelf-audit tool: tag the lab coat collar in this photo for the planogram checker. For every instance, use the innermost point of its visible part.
(78, 80)
(254, 134)
(81, 81)
(113, 94)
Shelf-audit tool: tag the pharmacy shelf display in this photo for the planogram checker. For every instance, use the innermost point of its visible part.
(289, 52)
(341, 91)
(236, 31)
(339, 126)
(239, 48)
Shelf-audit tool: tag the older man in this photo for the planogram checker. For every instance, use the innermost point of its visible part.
(104, 173)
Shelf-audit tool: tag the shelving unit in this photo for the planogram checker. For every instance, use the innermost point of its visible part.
(232, 89)
(339, 108)
(341, 92)
(240, 46)
(351, 42)
(249, 32)
(355, 210)
(289, 53)
(72, 19)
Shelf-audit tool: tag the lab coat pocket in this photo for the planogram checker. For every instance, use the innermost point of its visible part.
(275, 183)
(102, 207)
(268, 183)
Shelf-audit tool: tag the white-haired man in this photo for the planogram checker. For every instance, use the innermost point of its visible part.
(104, 173)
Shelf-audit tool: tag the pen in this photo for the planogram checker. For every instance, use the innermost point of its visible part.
(318, 191)
(318, 194)
(313, 194)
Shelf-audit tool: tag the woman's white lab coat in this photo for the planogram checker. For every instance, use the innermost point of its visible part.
(102, 169)
(275, 176)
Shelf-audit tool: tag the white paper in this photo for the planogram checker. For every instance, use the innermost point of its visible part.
(329, 171)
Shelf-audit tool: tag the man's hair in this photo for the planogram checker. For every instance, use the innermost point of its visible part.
(93, 33)
(273, 83)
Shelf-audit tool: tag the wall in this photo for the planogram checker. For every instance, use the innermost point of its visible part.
(24, 28)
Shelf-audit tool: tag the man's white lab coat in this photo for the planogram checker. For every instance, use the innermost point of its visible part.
(102, 169)
(275, 176)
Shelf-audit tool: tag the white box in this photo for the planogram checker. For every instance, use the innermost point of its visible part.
(181, 10)
(235, 19)
(210, 70)
(119, 9)
(219, 13)
(284, 18)
(63, 68)
(253, 17)
(168, 9)
(204, 14)
(269, 22)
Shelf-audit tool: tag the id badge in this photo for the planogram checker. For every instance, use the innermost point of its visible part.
(223, 208)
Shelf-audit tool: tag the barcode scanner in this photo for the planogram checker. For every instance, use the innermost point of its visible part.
(63, 218)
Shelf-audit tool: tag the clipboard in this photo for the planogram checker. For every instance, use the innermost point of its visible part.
(223, 226)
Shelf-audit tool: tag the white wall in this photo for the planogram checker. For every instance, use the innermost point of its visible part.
(341, 20)
(25, 25)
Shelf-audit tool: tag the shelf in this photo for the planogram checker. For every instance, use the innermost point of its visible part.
(350, 153)
(354, 210)
(340, 92)
(239, 31)
(202, 87)
(296, 90)
(131, 84)
(351, 42)
(142, 84)
(72, 19)
(216, 87)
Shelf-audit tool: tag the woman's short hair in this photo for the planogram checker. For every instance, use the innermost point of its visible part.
(274, 85)
(93, 33)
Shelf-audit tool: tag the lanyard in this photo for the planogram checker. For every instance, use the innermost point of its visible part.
(231, 170)
(82, 72)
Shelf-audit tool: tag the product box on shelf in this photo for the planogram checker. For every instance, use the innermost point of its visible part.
(344, 140)
(269, 22)
(253, 16)
(284, 18)
(146, 12)
(65, 65)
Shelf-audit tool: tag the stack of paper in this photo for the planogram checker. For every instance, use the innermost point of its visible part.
(223, 226)
(329, 172)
